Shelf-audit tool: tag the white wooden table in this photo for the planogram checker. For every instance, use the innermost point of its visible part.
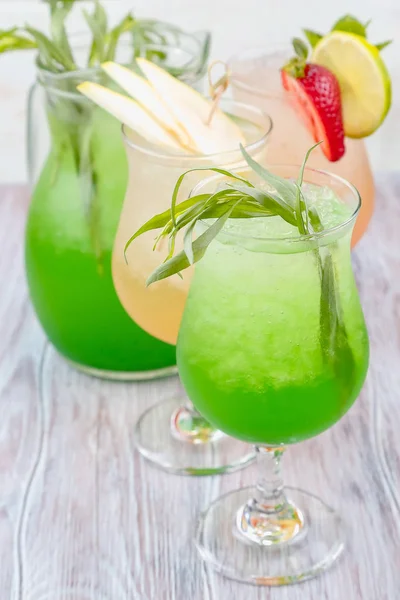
(83, 517)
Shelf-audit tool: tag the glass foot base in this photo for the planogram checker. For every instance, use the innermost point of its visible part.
(122, 375)
(157, 440)
(317, 545)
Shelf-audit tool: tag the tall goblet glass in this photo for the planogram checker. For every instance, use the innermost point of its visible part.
(273, 350)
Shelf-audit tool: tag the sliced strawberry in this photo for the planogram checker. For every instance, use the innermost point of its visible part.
(315, 92)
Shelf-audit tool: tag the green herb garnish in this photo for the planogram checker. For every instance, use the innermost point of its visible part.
(55, 52)
(349, 24)
(241, 199)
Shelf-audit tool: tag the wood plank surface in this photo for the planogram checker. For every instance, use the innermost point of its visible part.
(83, 517)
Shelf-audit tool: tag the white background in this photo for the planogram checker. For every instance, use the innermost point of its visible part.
(235, 24)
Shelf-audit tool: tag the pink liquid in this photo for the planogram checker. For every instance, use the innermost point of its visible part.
(256, 80)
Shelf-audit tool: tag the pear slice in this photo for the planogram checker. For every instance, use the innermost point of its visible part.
(142, 91)
(192, 110)
(129, 112)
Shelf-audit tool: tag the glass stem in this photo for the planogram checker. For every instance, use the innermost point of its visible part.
(270, 495)
(188, 425)
(269, 517)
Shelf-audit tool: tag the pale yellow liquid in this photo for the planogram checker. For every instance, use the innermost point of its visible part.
(256, 80)
(157, 309)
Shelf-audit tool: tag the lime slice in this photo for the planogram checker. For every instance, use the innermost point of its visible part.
(363, 78)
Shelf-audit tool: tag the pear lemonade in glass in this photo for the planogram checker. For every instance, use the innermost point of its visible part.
(272, 349)
(172, 434)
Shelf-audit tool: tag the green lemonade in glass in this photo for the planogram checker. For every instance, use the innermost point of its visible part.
(250, 351)
(68, 255)
(272, 350)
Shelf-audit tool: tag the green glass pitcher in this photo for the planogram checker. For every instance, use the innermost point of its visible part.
(78, 173)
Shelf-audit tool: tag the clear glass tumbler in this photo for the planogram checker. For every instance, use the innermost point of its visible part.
(172, 434)
(256, 80)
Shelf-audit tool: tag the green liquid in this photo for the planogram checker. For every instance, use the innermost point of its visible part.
(69, 265)
(250, 352)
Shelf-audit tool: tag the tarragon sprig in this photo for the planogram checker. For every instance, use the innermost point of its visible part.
(241, 199)
(54, 49)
